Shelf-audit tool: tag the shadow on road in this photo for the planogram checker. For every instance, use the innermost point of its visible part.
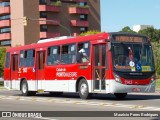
(111, 97)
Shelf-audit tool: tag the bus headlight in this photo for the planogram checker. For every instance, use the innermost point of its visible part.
(117, 78)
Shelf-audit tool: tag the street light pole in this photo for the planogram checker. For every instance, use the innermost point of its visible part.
(53, 22)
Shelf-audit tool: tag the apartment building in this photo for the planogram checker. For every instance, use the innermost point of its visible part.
(137, 28)
(46, 19)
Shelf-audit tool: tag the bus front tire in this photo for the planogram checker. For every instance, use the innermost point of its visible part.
(83, 90)
(24, 89)
(120, 95)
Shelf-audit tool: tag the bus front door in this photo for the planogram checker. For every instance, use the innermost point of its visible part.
(40, 70)
(14, 71)
(99, 59)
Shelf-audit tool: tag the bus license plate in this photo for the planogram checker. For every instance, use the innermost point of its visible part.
(136, 90)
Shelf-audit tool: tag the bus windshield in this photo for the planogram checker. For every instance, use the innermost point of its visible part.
(132, 57)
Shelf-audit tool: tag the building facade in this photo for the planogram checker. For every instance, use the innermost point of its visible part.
(46, 19)
(137, 28)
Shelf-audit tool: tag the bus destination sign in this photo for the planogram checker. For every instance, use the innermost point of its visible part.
(128, 39)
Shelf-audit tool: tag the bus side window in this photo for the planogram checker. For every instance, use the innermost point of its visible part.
(53, 55)
(29, 57)
(7, 64)
(68, 54)
(64, 54)
(83, 52)
(21, 58)
(72, 53)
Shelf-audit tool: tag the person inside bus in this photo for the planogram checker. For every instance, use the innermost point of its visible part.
(132, 57)
(82, 56)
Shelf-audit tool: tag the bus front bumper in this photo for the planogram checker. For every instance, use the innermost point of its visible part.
(115, 87)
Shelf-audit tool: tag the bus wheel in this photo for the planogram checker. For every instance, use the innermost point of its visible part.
(83, 89)
(24, 89)
(120, 95)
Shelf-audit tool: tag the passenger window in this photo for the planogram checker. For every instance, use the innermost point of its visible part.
(7, 60)
(53, 55)
(68, 54)
(21, 58)
(83, 52)
(29, 56)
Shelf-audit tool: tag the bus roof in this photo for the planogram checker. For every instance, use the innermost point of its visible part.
(54, 39)
(62, 41)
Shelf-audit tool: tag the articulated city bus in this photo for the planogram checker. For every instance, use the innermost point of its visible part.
(117, 63)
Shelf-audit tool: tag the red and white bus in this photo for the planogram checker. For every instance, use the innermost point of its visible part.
(117, 63)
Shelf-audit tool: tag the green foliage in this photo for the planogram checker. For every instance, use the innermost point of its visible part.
(158, 84)
(91, 32)
(2, 57)
(152, 33)
(58, 3)
(156, 51)
(79, 6)
(127, 29)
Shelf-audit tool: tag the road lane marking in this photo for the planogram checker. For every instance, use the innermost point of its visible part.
(78, 102)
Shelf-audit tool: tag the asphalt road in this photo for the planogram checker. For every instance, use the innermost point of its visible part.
(13, 101)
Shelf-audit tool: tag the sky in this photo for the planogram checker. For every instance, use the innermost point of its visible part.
(117, 14)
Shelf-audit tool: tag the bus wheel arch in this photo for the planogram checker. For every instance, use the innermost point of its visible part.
(83, 89)
(21, 83)
(77, 83)
(24, 88)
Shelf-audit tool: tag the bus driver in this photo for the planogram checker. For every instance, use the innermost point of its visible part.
(82, 56)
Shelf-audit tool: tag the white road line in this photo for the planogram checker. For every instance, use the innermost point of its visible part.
(80, 102)
(151, 108)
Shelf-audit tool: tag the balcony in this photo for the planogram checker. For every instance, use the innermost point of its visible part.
(49, 8)
(4, 10)
(5, 36)
(77, 23)
(77, 10)
(49, 35)
(45, 22)
(5, 23)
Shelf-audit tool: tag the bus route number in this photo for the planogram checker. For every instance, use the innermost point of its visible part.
(128, 82)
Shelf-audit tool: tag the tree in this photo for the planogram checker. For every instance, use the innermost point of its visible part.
(127, 29)
(152, 33)
(155, 47)
(91, 32)
(2, 57)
